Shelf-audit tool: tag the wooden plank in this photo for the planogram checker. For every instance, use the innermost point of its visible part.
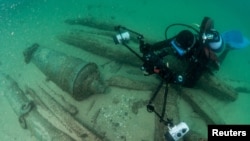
(200, 105)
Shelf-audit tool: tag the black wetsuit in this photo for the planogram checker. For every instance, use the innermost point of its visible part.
(196, 63)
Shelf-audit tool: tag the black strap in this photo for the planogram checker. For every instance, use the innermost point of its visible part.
(155, 93)
(135, 53)
(164, 104)
(151, 108)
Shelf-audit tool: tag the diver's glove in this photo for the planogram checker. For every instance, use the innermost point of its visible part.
(164, 72)
(147, 69)
(152, 63)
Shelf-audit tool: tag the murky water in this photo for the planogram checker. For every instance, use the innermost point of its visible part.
(121, 111)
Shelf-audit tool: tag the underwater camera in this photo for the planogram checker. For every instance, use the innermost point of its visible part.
(124, 36)
(121, 37)
(177, 132)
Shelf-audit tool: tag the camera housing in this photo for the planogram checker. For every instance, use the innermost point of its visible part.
(121, 37)
(177, 132)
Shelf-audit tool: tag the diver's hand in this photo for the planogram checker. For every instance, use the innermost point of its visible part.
(151, 64)
(147, 69)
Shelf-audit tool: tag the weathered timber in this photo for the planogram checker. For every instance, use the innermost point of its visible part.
(28, 116)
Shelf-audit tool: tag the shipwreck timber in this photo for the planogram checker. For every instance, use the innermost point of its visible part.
(209, 84)
(49, 108)
(99, 44)
(102, 45)
(27, 114)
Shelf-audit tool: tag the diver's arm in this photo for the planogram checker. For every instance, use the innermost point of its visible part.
(169, 76)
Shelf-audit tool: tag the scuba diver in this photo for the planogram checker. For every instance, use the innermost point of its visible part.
(190, 53)
(181, 60)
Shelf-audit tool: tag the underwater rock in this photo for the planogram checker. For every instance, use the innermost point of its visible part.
(27, 113)
(75, 76)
